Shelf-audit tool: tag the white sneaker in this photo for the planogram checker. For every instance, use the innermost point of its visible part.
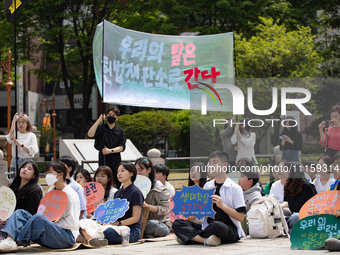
(212, 241)
(8, 245)
(179, 240)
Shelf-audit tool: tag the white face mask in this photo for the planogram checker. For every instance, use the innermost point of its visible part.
(51, 179)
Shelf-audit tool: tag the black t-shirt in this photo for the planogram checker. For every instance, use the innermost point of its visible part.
(132, 194)
(295, 203)
(296, 138)
(29, 200)
(110, 138)
(220, 214)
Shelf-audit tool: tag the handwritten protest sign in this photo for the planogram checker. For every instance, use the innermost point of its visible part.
(174, 217)
(143, 183)
(327, 202)
(8, 202)
(111, 210)
(135, 68)
(53, 204)
(311, 232)
(193, 201)
(94, 193)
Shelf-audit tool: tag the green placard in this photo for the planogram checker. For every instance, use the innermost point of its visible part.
(311, 232)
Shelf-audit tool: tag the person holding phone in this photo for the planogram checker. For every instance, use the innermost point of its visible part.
(25, 142)
(109, 140)
(290, 141)
(330, 138)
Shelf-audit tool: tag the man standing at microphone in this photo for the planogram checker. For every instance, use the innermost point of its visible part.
(109, 140)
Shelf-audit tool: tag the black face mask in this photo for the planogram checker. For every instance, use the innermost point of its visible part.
(111, 119)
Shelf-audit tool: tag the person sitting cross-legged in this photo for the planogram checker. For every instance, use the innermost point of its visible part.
(24, 227)
(228, 203)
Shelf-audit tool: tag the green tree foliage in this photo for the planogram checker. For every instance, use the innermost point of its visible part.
(204, 137)
(65, 31)
(181, 141)
(188, 132)
(24, 44)
(147, 129)
(275, 52)
(327, 94)
(329, 31)
(219, 16)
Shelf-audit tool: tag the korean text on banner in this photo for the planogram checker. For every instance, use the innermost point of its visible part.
(141, 69)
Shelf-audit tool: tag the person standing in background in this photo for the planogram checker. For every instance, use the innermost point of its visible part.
(25, 140)
(109, 140)
(226, 135)
(291, 141)
(331, 138)
(245, 141)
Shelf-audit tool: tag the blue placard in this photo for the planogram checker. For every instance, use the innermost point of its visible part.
(111, 210)
(193, 201)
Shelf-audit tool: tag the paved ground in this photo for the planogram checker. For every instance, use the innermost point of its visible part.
(247, 246)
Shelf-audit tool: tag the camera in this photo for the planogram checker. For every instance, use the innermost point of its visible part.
(328, 123)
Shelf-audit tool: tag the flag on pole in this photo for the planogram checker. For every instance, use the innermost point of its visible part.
(11, 11)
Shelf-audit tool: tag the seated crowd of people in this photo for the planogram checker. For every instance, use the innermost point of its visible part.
(231, 201)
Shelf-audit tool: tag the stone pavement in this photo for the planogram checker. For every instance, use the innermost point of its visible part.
(246, 246)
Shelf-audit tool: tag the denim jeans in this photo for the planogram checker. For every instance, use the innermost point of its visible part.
(114, 238)
(291, 220)
(156, 228)
(23, 227)
(291, 155)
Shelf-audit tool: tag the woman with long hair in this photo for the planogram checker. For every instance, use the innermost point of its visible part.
(158, 201)
(26, 187)
(24, 228)
(290, 141)
(103, 175)
(245, 141)
(82, 176)
(297, 191)
(27, 191)
(197, 174)
(330, 138)
(25, 142)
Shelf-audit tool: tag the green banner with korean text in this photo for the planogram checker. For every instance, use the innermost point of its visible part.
(150, 70)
